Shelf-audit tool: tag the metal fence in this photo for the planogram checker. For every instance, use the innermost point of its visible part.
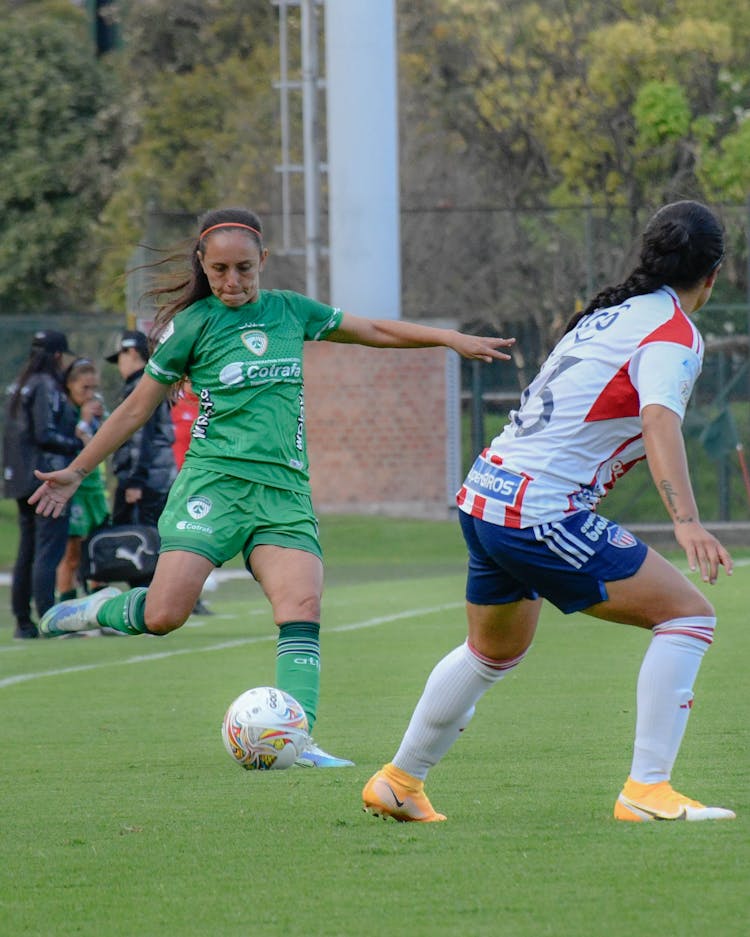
(515, 273)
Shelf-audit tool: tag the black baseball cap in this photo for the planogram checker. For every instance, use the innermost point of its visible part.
(50, 341)
(130, 339)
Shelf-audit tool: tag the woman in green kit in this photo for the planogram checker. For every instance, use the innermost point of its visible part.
(88, 506)
(244, 486)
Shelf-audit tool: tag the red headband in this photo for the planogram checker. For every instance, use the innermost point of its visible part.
(229, 224)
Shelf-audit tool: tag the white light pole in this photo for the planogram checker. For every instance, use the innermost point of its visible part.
(363, 181)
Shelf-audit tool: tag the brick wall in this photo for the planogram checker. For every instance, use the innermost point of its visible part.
(382, 429)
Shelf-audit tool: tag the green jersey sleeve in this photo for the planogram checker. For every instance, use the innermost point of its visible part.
(172, 356)
(320, 320)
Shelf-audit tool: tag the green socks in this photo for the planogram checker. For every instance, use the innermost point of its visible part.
(297, 648)
(125, 612)
(298, 664)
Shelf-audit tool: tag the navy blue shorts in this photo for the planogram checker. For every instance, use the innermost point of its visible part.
(568, 562)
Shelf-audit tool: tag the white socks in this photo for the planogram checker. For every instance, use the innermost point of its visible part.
(453, 689)
(664, 699)
(665, 694)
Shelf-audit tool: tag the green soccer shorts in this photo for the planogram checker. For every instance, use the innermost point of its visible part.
(88, 510)
(219, 516)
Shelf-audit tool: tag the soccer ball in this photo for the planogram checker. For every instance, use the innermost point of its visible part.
(265, 729)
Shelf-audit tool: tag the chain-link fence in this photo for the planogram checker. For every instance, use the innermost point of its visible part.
(520, 273)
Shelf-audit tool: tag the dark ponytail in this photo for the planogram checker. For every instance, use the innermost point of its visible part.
(683, 244)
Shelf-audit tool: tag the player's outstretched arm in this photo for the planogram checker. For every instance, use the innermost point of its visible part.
(58, 488)
(667, 462)
(394, 333)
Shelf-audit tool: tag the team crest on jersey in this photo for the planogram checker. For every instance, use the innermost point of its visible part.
(198, 507)
(255, 341)
(619, 537)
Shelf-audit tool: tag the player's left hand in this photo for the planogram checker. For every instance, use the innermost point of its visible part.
(481, 347)
(703, 551)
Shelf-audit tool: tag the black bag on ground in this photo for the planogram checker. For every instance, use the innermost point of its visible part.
(120, 553)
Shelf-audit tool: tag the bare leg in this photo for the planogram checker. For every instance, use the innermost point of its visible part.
(174, 590)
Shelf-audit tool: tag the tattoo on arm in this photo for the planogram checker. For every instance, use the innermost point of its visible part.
(670, 496)
(81, 471)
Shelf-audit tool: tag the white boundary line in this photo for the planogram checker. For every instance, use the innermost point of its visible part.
(241, 642)
(224, 645)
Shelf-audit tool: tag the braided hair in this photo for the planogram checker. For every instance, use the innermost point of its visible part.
(683, 244)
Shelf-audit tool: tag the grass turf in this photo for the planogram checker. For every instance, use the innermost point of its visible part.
(123, 815)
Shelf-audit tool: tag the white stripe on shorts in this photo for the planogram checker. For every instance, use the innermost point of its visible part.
(565, 544)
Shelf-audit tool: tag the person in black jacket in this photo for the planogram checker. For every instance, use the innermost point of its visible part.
(144, 465)
(40, 433)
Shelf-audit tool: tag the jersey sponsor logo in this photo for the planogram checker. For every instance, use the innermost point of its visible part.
(242, 372)
(200, 528)
(619, 537)
(198, 506)
(299, 436)
(493, 481)
(200, 427)
(255, 341)
(593, 527)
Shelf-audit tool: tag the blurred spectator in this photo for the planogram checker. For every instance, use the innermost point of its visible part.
(144, 464)
(88, 507)
(39, 434)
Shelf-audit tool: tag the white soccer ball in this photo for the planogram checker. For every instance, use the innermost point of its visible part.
(265, 729)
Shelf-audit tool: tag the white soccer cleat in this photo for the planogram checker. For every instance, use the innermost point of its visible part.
(75, 615)
(314, 757)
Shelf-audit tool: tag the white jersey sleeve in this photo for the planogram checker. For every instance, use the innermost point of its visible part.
(664, 373)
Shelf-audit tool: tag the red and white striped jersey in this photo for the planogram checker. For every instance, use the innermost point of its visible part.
(578, 428)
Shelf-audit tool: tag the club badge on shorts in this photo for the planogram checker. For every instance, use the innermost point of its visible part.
(198, 507)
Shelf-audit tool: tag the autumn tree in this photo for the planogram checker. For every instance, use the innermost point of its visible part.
(551, 106)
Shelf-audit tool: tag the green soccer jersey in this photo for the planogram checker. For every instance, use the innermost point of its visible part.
(246, 368)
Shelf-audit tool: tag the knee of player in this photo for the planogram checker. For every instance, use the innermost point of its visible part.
(305, 608)
(704, 608)
(162, 620)
(308, 610)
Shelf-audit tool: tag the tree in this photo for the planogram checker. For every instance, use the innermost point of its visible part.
(58, 147)
(550, 106)
(201, 121)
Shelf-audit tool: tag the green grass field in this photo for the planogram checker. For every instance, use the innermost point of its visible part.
(122, 814)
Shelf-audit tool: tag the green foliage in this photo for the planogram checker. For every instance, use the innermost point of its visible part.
(726, 171)
(616, 103)
(58, 146)
(662, 113)
(203, 129)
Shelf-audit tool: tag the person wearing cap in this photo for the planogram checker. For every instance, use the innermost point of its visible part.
(245, 484)
(144, 464)
(40, 435)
